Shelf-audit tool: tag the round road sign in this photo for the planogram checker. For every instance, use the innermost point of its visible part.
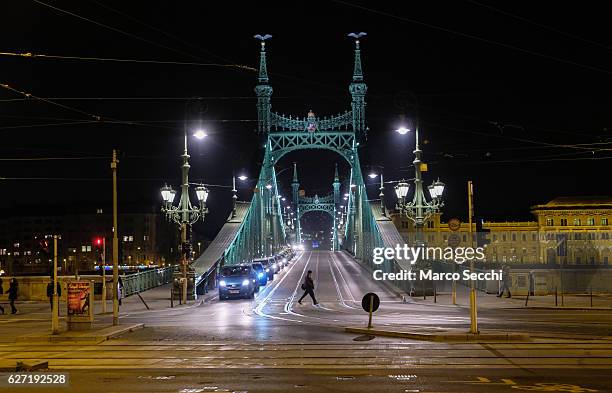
(365, 302)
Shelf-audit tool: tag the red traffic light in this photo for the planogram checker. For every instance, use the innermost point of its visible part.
(98, 242)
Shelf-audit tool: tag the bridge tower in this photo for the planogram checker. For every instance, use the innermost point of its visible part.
(295, 192)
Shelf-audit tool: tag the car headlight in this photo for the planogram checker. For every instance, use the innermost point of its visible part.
(245, 282)
(222, 283)
(284, 260)
(260, 275)
(267, 269)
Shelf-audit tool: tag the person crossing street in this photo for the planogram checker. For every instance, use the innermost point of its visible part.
(308, 287)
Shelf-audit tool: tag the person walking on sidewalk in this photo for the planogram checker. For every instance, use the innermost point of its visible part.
(505, 282)
(50, 292)
(12, 294)
(308, 287)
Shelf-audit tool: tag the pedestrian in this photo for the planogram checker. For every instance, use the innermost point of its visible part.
(308, 287)
(119, 289)
(50, 292)
(12, 294)
(505, 282)
(1, 292)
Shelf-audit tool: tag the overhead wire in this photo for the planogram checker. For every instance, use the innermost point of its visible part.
(140, 61)
(474, 37)
(543, 26)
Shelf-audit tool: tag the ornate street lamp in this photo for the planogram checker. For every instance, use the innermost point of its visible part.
(185, 214)
(419, 209)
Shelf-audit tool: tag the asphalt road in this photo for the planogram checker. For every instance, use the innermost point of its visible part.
(275, 315)
(321, 381)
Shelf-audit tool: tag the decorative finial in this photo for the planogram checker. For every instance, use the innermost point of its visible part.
(357, 72)
(295, 176)
(263, 69)
(336, 177)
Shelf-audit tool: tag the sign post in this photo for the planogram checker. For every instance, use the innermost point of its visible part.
(454, 224)
(370, 304)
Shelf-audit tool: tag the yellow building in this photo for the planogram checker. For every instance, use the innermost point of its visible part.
(567, 230)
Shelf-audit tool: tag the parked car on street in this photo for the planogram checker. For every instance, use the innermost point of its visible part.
(237, 281)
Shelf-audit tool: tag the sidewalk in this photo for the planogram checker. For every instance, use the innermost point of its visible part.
(34, 318)
(484, 300)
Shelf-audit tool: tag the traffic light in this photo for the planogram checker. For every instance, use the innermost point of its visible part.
(98, 244)
(44, 249)
(481, 234)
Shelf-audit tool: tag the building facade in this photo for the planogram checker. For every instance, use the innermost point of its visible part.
(566, 230)
(26, 243)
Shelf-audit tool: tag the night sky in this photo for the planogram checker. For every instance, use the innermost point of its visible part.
(516, 98)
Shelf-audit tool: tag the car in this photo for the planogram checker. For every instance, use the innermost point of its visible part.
(260, 271)
(237, 281)
(267, 265)
(280, 261)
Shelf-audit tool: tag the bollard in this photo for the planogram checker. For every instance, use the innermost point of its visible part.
(435, 292)
(591, 296)
(556, 303)
(424, 296)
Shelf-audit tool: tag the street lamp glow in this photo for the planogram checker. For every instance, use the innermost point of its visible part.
(242, 177)
(372, 175)
(283, 199)
(269, 186)
(167, 194)
(200, 134)
(202, 193)
(402, 130)
(401, 190)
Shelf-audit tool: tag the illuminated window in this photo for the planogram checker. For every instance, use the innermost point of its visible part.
(604, 221)
(577, 222)
(564, 222)
(550, 222)
(590, 221)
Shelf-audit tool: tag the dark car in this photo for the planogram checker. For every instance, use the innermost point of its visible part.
(260, 272)
(237, 281)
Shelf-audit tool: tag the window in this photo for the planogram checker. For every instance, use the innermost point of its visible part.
(564, 222)
(514, 237)
(550, 222)
(494, 238)
(16, 245)
(533, 237)
(590, 221)
(524, 237)
(504, 237)
(604, 221)
(577, 222)
(83, 248)
(146, 238)
(2, 251)
(131, 238)
(465, 238)
(577, 236)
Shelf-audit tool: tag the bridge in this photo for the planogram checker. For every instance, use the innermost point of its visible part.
(257, 228)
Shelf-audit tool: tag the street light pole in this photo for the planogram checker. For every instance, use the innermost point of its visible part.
(55, 308)
(185, 214)
(114, 163)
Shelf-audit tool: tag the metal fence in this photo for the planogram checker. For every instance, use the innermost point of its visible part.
(141, 281)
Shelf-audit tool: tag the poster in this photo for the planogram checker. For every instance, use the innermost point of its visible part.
(78, 301)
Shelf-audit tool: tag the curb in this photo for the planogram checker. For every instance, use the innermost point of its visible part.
(562, 308)
(82, 337)
(442, 337)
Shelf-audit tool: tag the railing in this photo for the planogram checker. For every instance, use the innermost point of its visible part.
(142, 281)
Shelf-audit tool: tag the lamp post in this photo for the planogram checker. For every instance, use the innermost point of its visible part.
(381, 188)
(419, 209)
(185, 214)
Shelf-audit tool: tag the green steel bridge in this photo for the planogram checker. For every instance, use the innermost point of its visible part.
(256, 228)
